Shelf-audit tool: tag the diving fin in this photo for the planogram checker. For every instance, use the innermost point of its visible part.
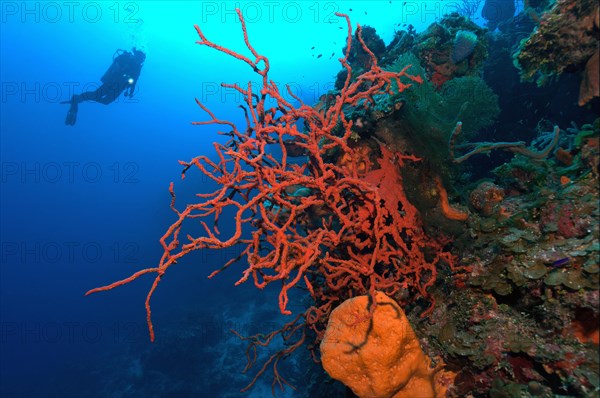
(72, 114)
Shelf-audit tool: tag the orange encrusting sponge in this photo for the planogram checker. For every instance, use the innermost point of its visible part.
(379, 356)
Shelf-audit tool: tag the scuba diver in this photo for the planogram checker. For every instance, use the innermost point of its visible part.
(121, 76)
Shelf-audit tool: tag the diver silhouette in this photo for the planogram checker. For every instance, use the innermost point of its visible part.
(121, 76)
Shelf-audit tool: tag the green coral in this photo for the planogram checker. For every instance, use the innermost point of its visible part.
(587, 130)
(476, 102)
(429, 115)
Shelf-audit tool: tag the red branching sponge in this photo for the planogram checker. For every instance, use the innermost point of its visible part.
(341, 228)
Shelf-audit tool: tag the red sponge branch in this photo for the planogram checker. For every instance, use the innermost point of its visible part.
(339, 223)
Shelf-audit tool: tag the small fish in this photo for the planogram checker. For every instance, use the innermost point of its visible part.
(312, 48)
(351, 9)
(332, 54)
(319, 56)
(562, 262)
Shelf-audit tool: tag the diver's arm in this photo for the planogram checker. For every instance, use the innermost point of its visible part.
(135, 74)
(129, 91)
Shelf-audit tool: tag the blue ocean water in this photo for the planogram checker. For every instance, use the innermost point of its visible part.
(85, 205)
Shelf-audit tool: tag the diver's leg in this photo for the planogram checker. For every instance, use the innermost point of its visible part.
(75, 100)
(89, 96)
(105, 99)
(108, 93)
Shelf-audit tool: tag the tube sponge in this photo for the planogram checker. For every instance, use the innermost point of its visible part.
(378, 355)
(464, 44)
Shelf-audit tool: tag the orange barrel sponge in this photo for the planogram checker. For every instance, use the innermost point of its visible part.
(379, 356)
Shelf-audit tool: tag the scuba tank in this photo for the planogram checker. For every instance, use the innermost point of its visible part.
(114, 70)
